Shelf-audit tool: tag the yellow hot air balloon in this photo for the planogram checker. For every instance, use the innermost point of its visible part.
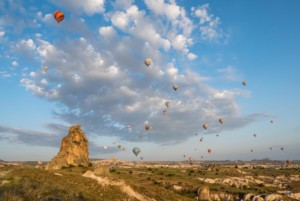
(148, 62)
(205, 126)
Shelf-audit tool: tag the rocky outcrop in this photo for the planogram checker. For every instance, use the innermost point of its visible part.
(73, 150)
(102, 170)
(203, 194)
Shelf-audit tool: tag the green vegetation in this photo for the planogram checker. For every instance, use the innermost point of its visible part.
(161, 183)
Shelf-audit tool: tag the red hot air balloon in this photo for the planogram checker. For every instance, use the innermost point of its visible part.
(59, 16)
(209, 151)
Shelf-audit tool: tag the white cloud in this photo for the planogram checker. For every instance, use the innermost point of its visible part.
(107, 31)
(230, 73)
(191, 56)
(102, 83)
(90, 7)
(14, 63)
(2, 33)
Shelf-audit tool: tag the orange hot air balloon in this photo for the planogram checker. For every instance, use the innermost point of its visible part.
(244, 83)
(168, 104)
(209, 151)
(59, 16)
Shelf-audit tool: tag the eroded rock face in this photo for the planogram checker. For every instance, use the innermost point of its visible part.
(203, 194)
(73, 150)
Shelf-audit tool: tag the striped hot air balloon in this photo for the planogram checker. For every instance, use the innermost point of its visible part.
(59, 16)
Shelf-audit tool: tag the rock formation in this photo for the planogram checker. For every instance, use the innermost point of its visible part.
(203, 194)
(73, 150)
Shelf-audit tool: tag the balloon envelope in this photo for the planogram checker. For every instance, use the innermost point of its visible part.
(205, 126)
(136, 151)
(148, 62)
(221, 120)
(58, 16)
(175, 87)
(244, 83)
(167, 103)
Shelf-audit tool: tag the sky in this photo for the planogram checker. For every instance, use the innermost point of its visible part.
(97, 78)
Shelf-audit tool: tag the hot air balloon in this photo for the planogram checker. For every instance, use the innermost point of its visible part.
(128, 126)
(221, 120)
(184, 156)
(251, 150)
(105, 147)
(281, 148)
(205, 126)
(175, 87)
(45, 68)
(201, 156)
(209, 151)
(136, 151)
(201, 139)
(119, 146)
(190, 158)
(217, 135)
(148, 127)
(165, 112)
(59, 16)
(272, 121)
(270, 148)
(167, 103)
(142, 158)
(148, 62)
(254, 135)
(244, 83)
(196, 134)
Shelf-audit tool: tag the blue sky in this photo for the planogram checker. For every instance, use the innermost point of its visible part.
(97, 78)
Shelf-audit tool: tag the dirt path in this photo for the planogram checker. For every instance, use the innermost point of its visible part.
(124, 187)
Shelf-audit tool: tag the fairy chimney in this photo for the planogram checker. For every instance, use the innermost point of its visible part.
(73, 150)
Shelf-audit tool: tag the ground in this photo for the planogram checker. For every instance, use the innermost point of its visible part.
(138, 181)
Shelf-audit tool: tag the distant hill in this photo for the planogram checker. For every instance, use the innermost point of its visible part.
(1, 160)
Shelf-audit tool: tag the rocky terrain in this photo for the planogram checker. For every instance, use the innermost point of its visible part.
(70, 175)
(73, 150)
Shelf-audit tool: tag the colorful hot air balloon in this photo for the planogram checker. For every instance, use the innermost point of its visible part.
(147, 62)
(205, 126)
(59, 16)
(244, 83)
(209, 151)
(221, 120)
(167, 103)
(175, 87)
(136, 151)
(190, 158)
